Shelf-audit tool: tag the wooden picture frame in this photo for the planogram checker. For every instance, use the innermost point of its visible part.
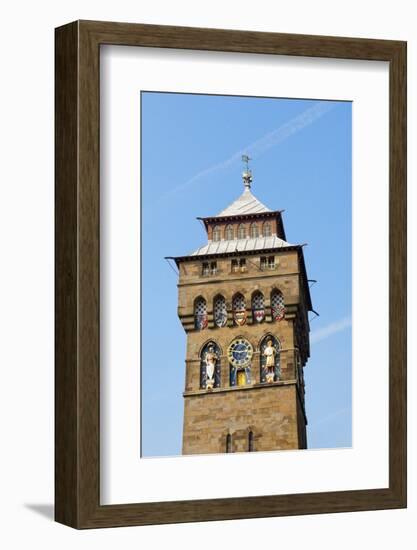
(77, 373)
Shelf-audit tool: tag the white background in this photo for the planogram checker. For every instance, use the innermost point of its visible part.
(26, 299)
(125, 478)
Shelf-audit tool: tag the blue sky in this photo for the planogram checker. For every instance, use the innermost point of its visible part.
(301, 150)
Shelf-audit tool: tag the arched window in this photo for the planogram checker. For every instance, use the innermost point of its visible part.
(270, 359)
(241, 232)
(238, 302)
(217, 233)
(228, 443)
(239, 309)
(240, 376)
(220, 311)
(229, 233)
(250, 442)
(267, 232)
(210, 366)
(258, 307)
(241, 379)
(254, 230)
(277, 305)
(200, 313)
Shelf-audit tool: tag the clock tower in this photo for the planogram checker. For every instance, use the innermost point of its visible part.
(243, 302)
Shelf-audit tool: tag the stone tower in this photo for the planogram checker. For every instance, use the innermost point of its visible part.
(243, 302)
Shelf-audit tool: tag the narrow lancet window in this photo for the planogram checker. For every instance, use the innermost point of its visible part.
(250, 442)
(220, 311)
(217, 233)
(267, 232)
(258, 307)
(241, 232)
(239, 309)
(277, 305)
(200, 313)
(229, 233)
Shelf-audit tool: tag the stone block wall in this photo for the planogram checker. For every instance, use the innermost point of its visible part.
(270, 412)
(273, 412)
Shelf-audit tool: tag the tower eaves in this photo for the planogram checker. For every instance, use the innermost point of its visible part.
(241, 245)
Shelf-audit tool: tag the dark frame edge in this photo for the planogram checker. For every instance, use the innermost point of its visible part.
(66, 275)
(398, 272)
(157, 513)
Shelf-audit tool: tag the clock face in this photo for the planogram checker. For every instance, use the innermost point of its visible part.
(240, 352)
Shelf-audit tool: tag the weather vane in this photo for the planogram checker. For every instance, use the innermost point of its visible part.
(247, 174)
(246, 160)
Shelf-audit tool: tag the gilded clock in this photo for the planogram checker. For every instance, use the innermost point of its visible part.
(240, 352)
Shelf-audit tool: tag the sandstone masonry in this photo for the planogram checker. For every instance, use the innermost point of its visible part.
(248, 261)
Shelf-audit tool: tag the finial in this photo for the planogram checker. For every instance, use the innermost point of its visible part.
(247, 173)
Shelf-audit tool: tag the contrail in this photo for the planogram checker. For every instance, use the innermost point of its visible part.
(332, 415)
(260, 146)
(333, 328)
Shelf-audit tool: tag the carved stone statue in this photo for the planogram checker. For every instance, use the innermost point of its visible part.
(270, 353)
(211, 360)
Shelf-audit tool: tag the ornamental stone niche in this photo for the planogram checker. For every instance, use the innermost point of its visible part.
(243, 302)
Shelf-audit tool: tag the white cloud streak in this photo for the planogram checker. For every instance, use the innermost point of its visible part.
(332, 416)
(261, 145)
(329, 330)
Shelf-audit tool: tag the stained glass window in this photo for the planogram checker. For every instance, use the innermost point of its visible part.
(277, 305)
(200, 313)
(258, 300)
(258, 307)
(220, 311)
(239, 310)
(238, 302)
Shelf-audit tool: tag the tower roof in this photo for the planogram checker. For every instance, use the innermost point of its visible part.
(247, 203)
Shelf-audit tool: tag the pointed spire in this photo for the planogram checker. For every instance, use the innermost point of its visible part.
(247, 203)
(247, 173)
